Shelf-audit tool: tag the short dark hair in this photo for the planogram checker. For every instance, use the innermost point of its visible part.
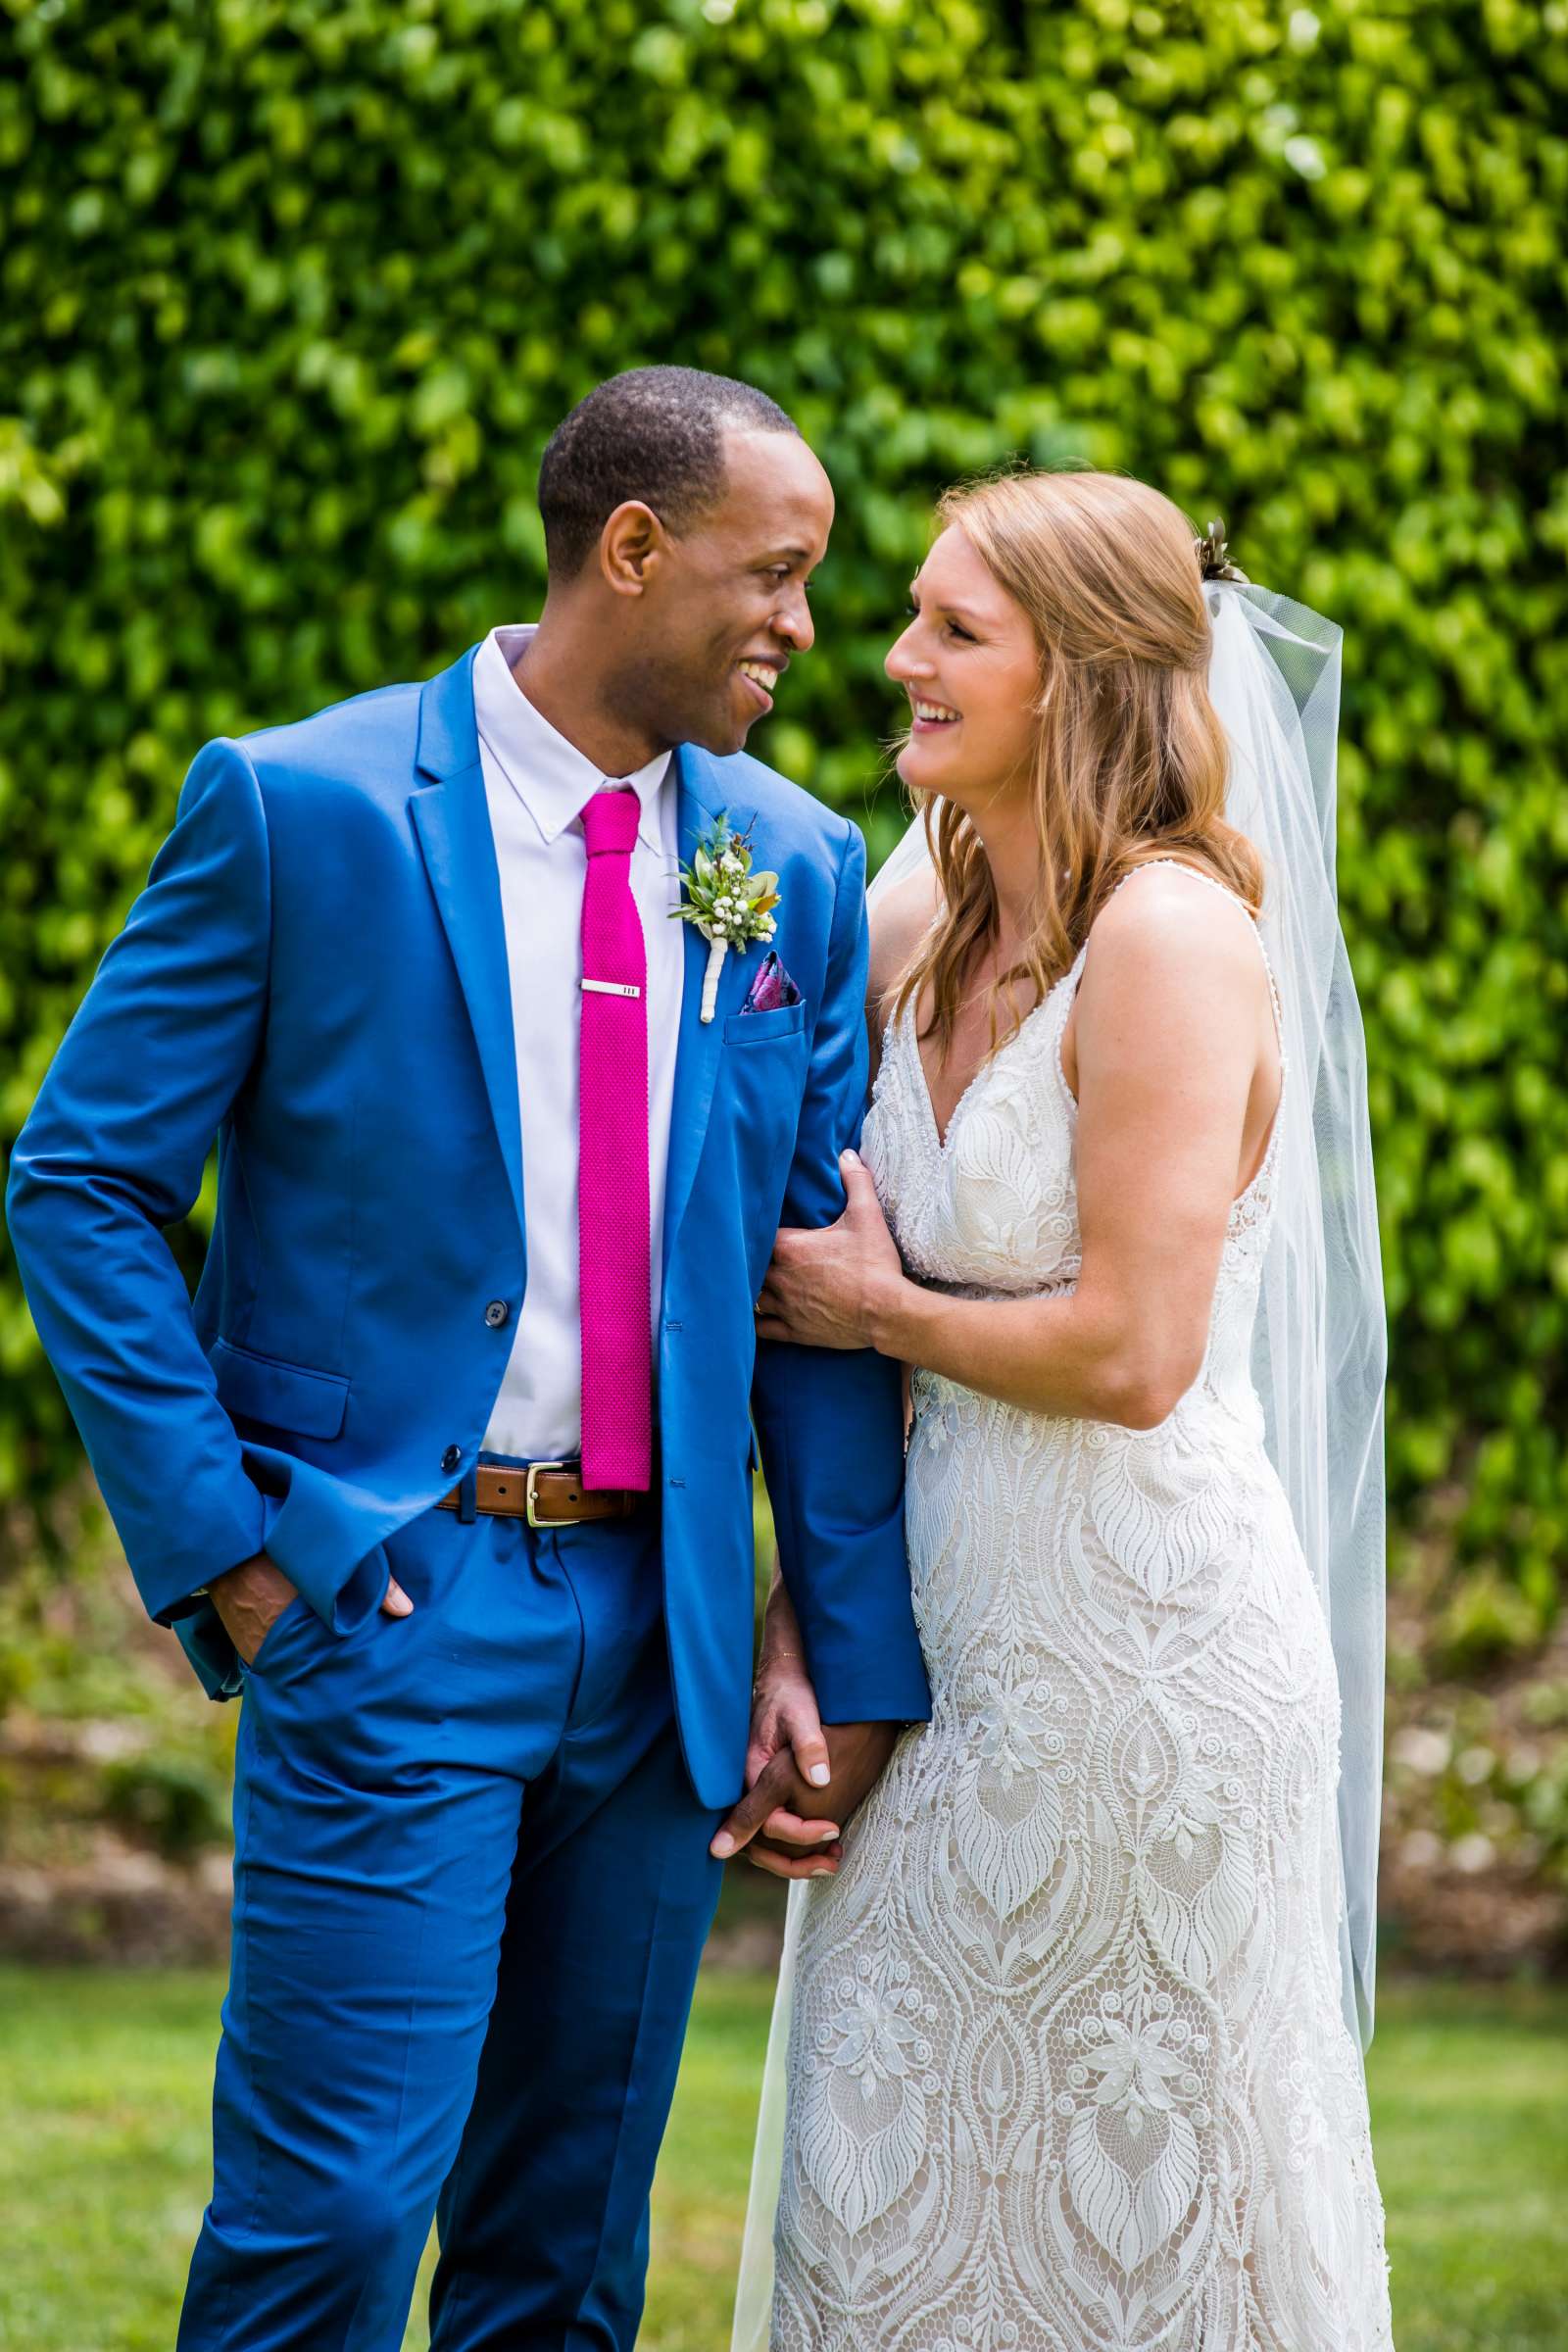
(652, 433)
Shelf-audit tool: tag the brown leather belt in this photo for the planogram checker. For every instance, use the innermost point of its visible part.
(545, 1494)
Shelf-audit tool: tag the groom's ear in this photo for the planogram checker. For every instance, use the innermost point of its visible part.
(631, 546)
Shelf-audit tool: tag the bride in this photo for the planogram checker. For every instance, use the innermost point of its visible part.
(1070, 2016)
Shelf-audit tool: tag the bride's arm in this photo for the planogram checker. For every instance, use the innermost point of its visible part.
(1169, 1034)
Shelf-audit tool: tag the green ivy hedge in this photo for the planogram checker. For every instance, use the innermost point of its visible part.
(291, 293)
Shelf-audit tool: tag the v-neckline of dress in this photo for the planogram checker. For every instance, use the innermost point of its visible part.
(942, 1137)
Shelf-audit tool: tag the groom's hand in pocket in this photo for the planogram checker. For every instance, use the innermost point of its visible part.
(792, 1827)
(251, 1598)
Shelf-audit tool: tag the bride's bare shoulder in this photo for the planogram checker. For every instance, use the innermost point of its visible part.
(1169, 913)
(1171, 952)
(899, 921)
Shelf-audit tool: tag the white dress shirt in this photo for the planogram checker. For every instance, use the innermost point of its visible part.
(535, 784)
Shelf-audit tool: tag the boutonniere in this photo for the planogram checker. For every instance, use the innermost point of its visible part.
(730, 903)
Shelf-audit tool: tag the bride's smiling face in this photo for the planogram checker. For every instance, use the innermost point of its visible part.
(970, 667)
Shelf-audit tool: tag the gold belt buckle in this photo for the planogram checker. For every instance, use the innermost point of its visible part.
(530, 1491)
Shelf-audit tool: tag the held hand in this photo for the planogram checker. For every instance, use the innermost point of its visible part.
(251, 1598)
(825, 1287)
(785, 1723)
(858, 1755)
(784, 1716)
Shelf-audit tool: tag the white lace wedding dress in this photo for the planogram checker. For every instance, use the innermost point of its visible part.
(1067, 2064)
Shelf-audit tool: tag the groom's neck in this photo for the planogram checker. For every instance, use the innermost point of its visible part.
(562, 670)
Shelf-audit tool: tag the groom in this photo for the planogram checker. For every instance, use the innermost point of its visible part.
(447, 1467)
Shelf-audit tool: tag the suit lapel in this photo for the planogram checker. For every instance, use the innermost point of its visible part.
(698, 1049)
(452, 824)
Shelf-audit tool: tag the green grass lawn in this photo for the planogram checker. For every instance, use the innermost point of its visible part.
(105, 2079)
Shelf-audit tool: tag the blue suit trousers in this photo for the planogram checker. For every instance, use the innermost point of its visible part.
(471, 1890)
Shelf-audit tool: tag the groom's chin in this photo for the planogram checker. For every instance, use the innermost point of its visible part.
(722, 737)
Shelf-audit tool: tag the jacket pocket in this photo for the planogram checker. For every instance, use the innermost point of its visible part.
(290, 1396)
(759, 1028)
(278, 1628)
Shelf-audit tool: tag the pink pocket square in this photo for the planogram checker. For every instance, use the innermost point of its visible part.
(772, 988)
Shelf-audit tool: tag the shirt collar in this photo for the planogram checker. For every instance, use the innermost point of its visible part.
(549, 776)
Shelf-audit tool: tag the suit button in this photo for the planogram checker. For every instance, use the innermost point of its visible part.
(495, 1313)
(452, 1457)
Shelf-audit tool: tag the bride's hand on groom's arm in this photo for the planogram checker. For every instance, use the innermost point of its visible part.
(831, 1287)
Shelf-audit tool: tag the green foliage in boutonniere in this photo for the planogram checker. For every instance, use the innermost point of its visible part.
(730, 902)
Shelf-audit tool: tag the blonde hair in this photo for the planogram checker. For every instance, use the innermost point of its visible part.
(1130, 759)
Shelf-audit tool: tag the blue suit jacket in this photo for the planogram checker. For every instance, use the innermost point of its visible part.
(317, 971)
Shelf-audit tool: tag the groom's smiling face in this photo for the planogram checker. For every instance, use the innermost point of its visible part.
(726, 609)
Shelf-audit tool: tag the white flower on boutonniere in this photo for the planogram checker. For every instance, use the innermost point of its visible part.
(730, 903)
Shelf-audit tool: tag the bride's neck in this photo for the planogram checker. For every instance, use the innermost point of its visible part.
(1012, 846)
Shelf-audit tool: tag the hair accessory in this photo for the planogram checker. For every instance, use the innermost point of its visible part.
(1214, 556)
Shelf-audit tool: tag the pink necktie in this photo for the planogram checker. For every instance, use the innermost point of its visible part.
(613, 1239)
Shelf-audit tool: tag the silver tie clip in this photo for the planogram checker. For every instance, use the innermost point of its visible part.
(611, 988)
